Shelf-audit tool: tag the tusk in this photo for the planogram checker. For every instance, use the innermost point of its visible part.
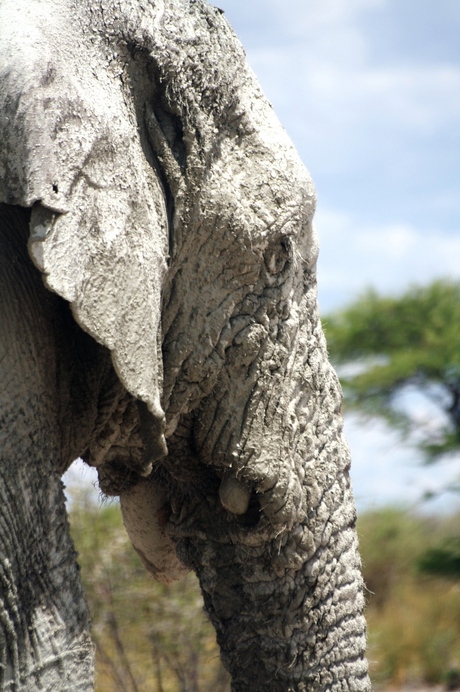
(234, 496)
(144, 508)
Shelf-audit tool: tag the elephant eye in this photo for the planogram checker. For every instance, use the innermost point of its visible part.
(277, 255)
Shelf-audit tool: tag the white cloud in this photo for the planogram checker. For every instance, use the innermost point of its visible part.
(387, 471)
(422, 97)
(388, 258)
(335, 96)
(81, 484)
(298, 17)
(335, 93)
(391, 244)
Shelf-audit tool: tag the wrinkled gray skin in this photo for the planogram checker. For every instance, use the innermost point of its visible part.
(158, 317)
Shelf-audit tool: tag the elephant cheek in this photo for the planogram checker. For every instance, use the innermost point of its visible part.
(145, 511)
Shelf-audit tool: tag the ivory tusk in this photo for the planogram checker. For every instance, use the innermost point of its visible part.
(234, 496)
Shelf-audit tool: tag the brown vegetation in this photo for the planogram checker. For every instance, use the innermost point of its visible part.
(156, 638)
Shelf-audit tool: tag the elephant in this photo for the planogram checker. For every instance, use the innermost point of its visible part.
(159, 320)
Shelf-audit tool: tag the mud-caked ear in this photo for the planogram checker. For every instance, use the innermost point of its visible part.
(72, 149)
(106, 257)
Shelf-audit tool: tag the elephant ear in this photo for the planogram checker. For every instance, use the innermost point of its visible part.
(71, 149)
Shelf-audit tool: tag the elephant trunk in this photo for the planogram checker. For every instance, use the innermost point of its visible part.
(287, 611)
(275, 546)
(286, 605)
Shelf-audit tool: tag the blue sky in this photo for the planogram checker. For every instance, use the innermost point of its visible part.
(369, 92)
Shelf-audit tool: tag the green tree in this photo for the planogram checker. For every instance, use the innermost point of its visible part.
(388, 343)
(442, 560)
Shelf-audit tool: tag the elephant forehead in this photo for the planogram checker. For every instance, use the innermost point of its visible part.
(258, 180)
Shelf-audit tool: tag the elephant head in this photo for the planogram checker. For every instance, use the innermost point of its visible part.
(170, 210)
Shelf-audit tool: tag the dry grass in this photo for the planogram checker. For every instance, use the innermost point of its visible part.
(157, 639)
(413, 619)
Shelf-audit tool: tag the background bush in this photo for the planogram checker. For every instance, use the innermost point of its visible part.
(149, 637)
(156, 638)
(413, 610)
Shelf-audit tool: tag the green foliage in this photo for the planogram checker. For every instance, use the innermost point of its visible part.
(410, 339)
(149, 637)
(390, 542)
(443, 560)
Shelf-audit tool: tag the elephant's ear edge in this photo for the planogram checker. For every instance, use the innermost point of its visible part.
(107, 258)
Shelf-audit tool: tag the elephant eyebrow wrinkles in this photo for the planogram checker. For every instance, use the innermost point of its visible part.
(219, 437)
(251, 402)
(289, 216)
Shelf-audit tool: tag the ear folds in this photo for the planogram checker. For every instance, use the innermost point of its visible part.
(106, 256)
(72, 150)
